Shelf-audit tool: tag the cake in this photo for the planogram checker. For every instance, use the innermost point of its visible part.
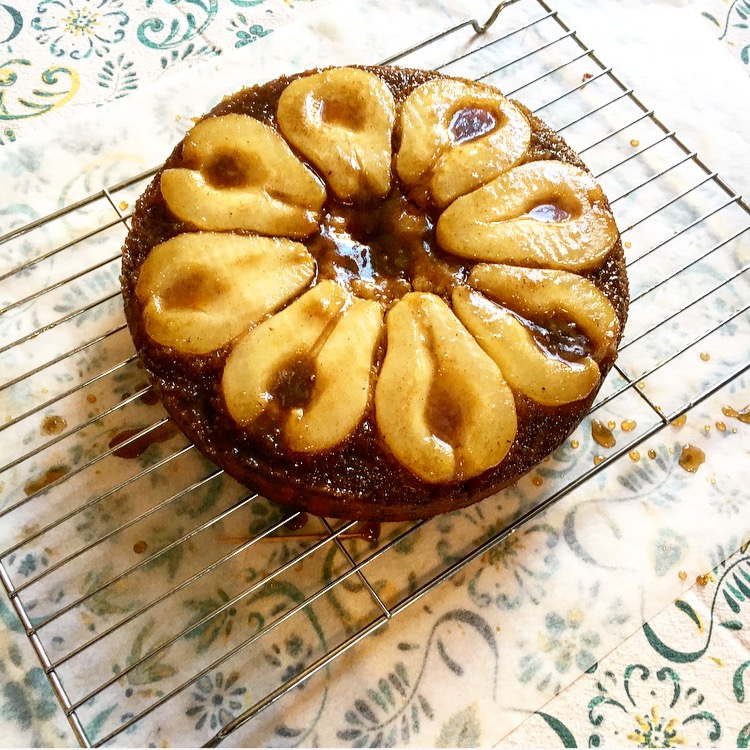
(374, 293)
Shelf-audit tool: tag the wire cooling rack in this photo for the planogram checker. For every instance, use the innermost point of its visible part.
(113, 528)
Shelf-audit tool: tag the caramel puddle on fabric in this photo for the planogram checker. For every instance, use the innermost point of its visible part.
(53, 425)
(133, 450)
(602, 434)
(49, 476)
(743, 414)
(691, 458)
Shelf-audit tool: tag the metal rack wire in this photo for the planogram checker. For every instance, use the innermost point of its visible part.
(92, 468)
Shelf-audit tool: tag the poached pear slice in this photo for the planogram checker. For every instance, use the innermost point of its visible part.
(341, 120)
(307, 369)
(243, 175)
(441, 404)
(547, 375)
(535, 293)
(457, 136)
(542, 213)
(200, 290)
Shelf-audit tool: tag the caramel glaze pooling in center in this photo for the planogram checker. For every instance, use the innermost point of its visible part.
(357, 479)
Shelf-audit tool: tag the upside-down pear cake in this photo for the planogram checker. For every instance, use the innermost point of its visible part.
(374, 292)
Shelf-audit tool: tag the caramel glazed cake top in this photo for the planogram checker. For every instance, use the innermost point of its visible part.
(374, 292)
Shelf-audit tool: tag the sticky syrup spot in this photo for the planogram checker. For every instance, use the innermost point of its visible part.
(574, 444)
(470, 123)
(91, 398)
(703, 580)
(721, 427)
(140, 547)
(294, 383)
(691, 458)
(443, 414)
(635, 142)
(369, 530)
(707, 428)
(682, 575)
(743, 414)
(679, 421)
(123, 205)
(628, 425)
(611, 424)
(547, 212)
(537, 481)
(634, 456)
(705, 356)
(598, 459)
(150, 398)
(49, 476)
(602, 434)
(159, 434)
(296, 523)
(651, 454)
(586, 77)
(53, 424)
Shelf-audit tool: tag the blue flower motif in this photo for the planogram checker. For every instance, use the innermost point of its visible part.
(78, 28)
(248, 34)
(218, 700)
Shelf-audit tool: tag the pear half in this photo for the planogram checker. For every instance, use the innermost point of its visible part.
(442, 405)
(308, 369)
(200, 290)
(542, 213)
(511, 300)
(457, 136)
(342, 120)
(243, 175)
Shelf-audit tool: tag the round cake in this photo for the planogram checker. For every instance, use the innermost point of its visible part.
(374, 293)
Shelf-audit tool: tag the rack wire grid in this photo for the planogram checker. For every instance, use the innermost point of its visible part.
(111, 522)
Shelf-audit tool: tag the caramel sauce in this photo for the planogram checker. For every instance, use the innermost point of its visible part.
(91, 398)
(140, 547)
(628, 425)
(548, 212)
(682, 575)
(53, 424)
(150, 398)
(537, 481)
(443, 415)
(705, 356)
(297, 522)
(691, 458)
(598, 460)
(721, 427)
(602, 434)
(470, 123)
(560, 337)
(294, 383)
(574, 444)
(382, 250)
(160, 434)
(49, 476)
(703, 580)
(634, 456)
(651, 454)
(743, 414)
(679, 421)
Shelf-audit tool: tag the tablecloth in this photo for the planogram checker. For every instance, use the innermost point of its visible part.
(679, 679)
